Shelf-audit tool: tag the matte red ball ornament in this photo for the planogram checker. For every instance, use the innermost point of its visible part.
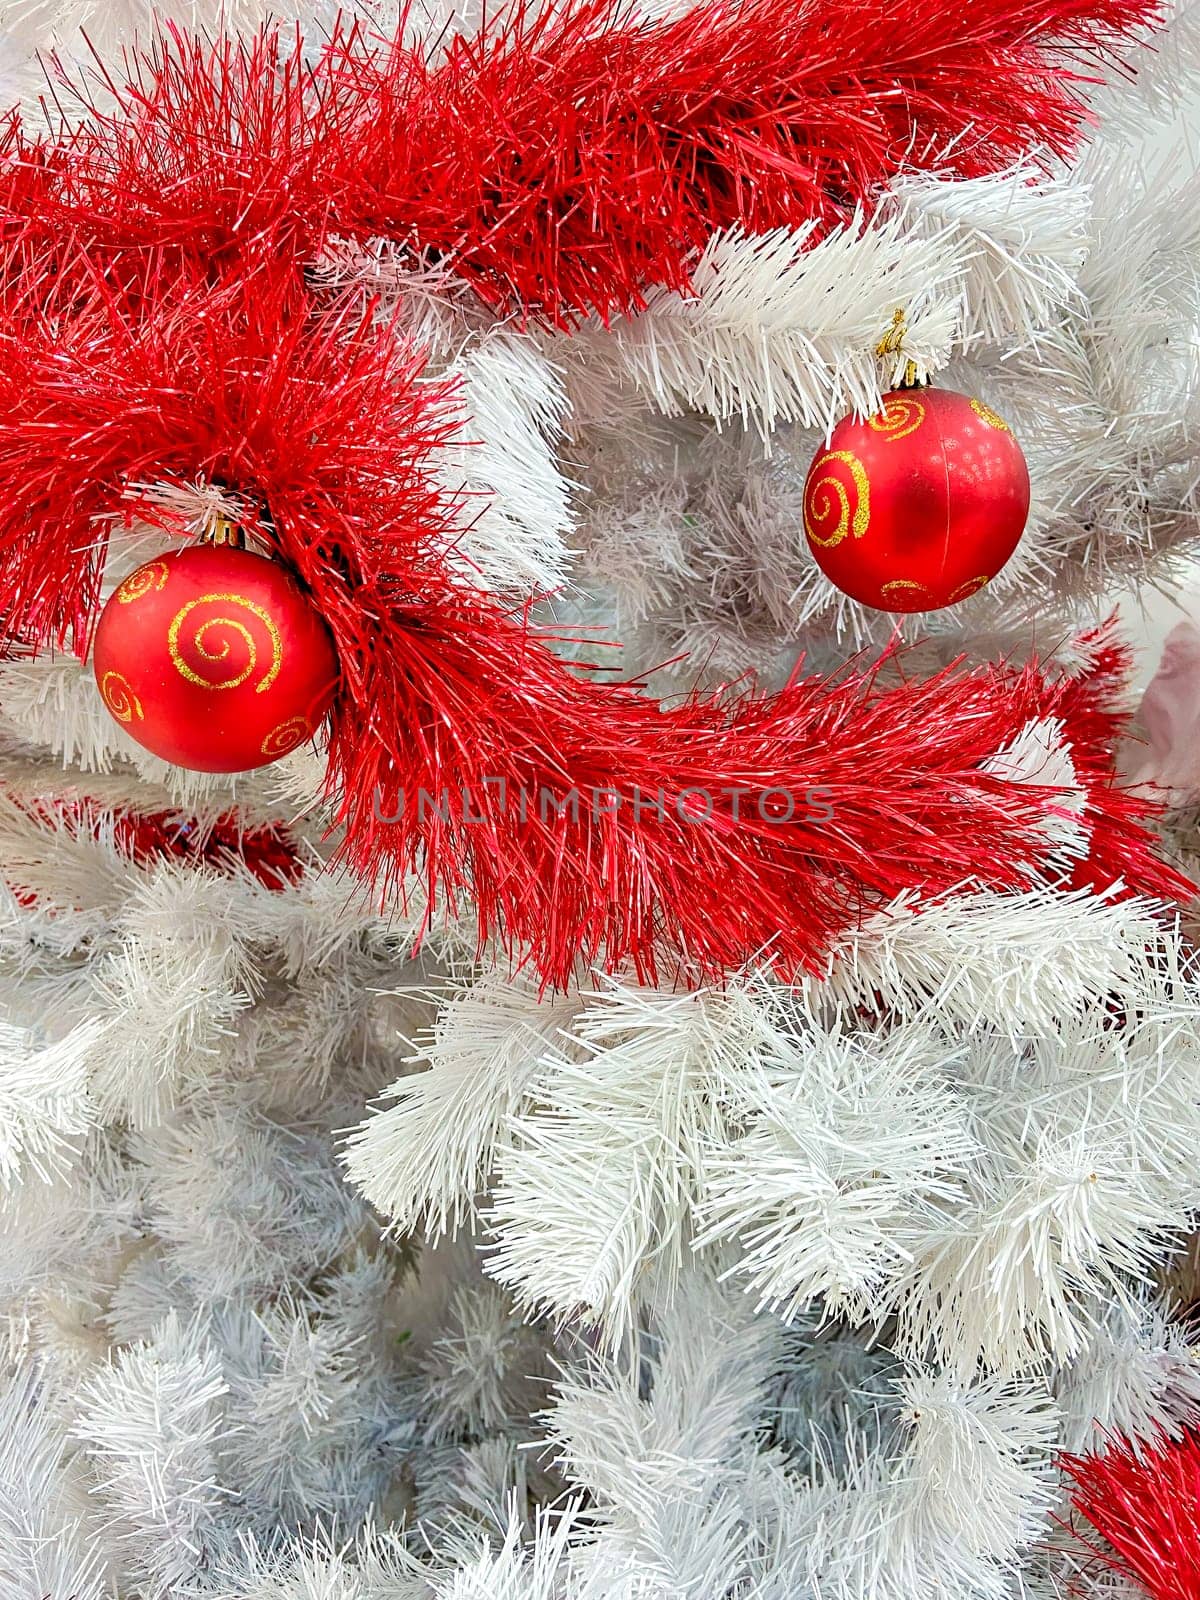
(919, 506)
(213, 658)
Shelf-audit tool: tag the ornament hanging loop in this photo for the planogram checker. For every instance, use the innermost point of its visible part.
(892, 344)
(223, 532)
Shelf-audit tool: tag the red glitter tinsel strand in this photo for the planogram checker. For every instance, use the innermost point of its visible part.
(1142, 1505)
(566, 160)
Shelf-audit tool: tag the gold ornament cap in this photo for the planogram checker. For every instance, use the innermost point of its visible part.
(223, 532)
(892, 344)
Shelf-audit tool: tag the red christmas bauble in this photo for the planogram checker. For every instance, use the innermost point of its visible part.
(920, 505)
(213, 658)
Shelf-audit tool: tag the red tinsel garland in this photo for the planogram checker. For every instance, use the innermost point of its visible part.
(1143, 1501)
(567, 159)
(163, 376)
(564, 163)
(155, 325)
(587, 821)
(445, 694)
(223, 843)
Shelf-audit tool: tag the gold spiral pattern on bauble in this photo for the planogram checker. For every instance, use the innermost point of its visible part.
(901, 415)
(152, 576)
(908, 588)
(992, 418)
(966, 590)
(217, 651)
(286, 737)
(117, 693)
(837, 503)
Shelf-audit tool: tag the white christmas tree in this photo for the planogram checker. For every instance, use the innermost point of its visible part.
(344, 1257)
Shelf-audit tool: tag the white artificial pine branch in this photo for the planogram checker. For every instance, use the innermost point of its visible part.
(423, 1157)
(39, 790)
(950, 1515)
(1018, 963)
(1089, 271)
(1000, 1180)
(151, 1425)
(51, 1235)
(847, 1139)
(690, 1502)
(1137, 1378)
(244, 1205)
(664, 1468)
(290, 1045)
(602, 1167)
(977, 1468)
(968, 1141)
(1039, 757)
(712, 1364)
(1085, 1173)
(67, 866)
(45, 1108)
(84, 32)
(56, 704)
(376, 1565)
(483, 1369)
(1167, 72)
(146, 1291)
(517, 1568)
(1104, 401)
(833, 1386)
(515, 506)
(308, 925)
(321, 1419)
(166, 1011)
(45, 1548)
(1024, 239)
(782, 326)
(495, 1481)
